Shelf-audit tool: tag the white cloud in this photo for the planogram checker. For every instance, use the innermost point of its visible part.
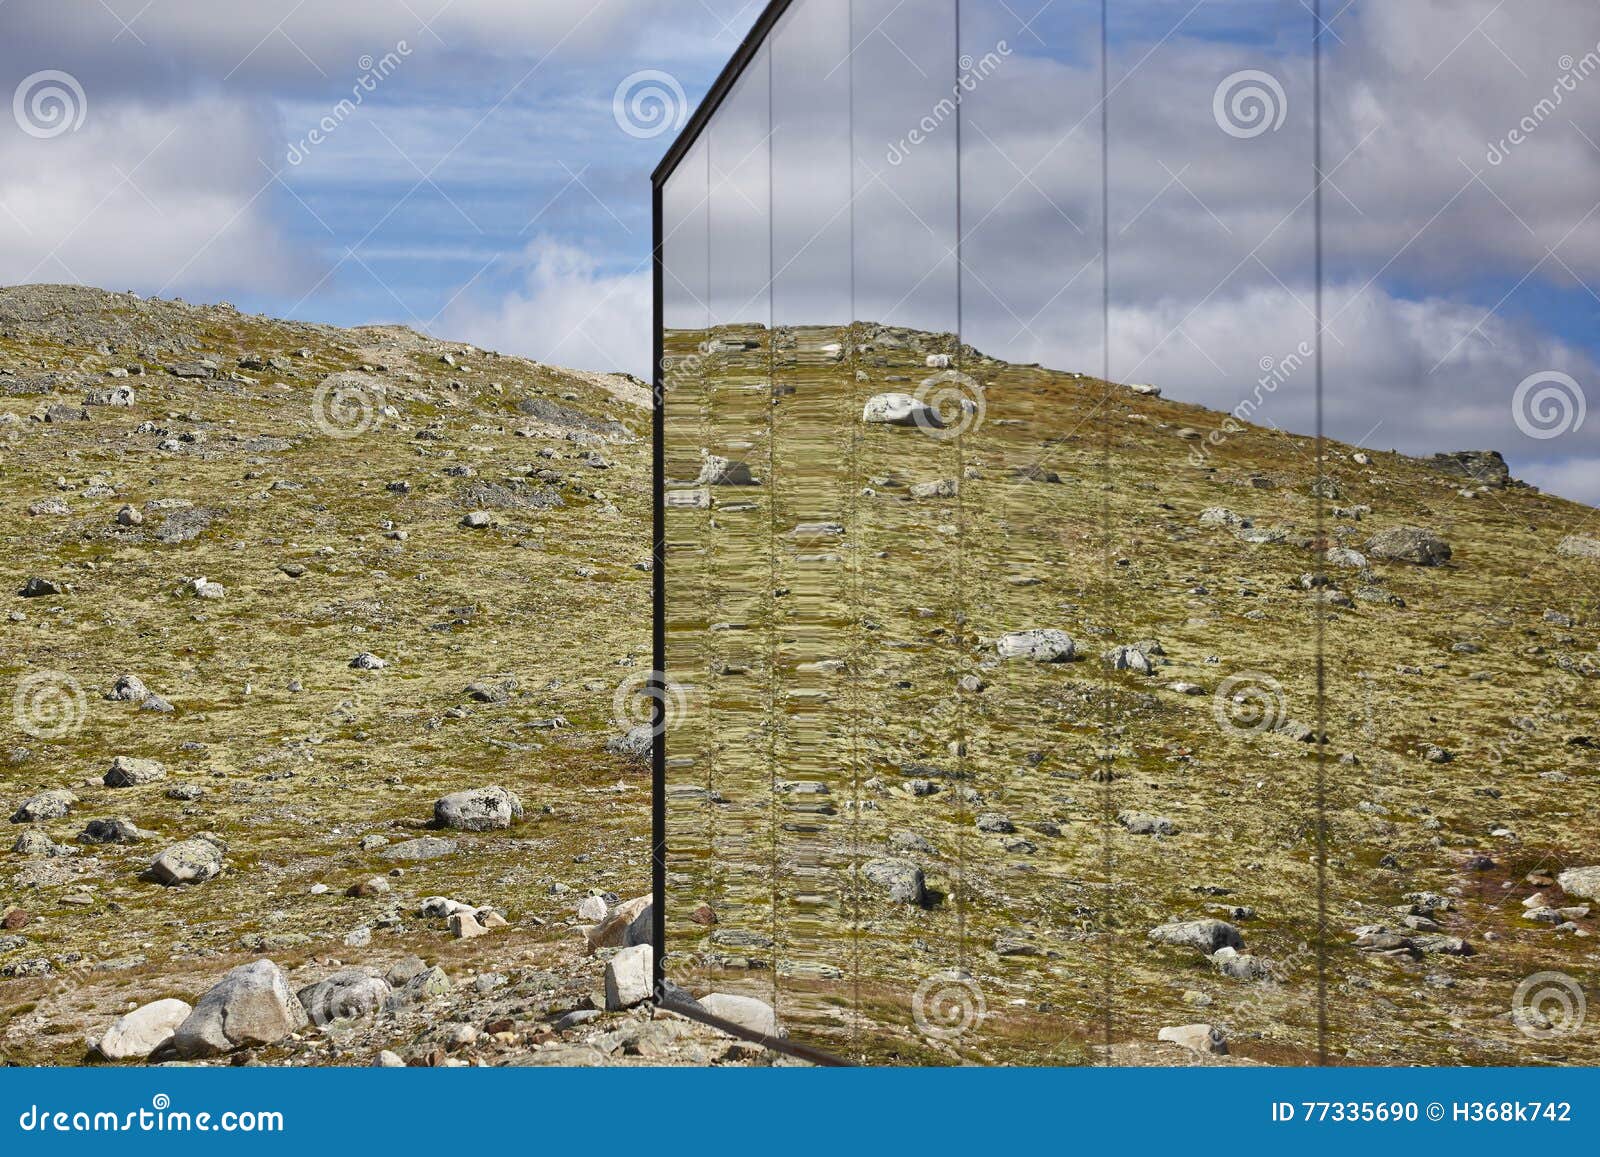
(161, 198)
(568, 311)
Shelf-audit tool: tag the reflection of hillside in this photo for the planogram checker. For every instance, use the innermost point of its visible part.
(867, 791)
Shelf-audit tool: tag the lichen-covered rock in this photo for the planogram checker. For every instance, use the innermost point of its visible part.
(47, 805)
(483, 809)
(129, 772)
(116, 830)
(1583, 883)
(1410, 544)
(902, 880)
(1208, 936)
(187, 862)
(349, 994)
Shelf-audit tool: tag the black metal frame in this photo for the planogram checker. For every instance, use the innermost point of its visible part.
(665, 996)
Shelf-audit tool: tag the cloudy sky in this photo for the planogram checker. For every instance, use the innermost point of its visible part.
(478, 181)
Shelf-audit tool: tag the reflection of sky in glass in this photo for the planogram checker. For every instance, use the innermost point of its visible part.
(1449, 278)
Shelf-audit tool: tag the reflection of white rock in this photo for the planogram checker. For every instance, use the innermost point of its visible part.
(1040, 646)
(750, 1014)
(689, 499)
(725, 472)
(1199, 1038)
(901, 410)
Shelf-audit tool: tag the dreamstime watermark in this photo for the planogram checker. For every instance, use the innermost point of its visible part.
(160, 1117)
(973, 72)
(347, 407)
(948, 1005)
(638, 698)
(1549, 1005)
(689, 971)
(373, 74)
(1573, 73)
(950, 405)
(1548, 405)
(49, 705)
(650, 103)
(1250, 104)
(49, 103)
(1275, 374)
(1252, 704)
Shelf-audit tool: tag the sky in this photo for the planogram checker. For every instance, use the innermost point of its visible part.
(479, 169)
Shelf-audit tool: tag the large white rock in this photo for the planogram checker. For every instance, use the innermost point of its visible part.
(752, 1015)
(630, 977)
(143, 1031)
(252, 1005)
(483, 809)
(187, 862)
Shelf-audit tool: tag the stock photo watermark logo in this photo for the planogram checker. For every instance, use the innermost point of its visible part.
(1275, 374)
(635, 703)
(1548, 405)
(1573, 73)
(373, 73)
(49, 103)
(973, 72)
(948, 1005)
(49, 705)
(689, 971)
(1252, 704)
(1250, 104)
(650, 103)
(1548, 1005)
(950, 405)
(347, 408)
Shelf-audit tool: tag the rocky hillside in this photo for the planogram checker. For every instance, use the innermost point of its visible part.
(273, 592)
(1003, 746)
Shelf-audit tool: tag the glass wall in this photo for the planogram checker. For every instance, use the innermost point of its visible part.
(1057, 671)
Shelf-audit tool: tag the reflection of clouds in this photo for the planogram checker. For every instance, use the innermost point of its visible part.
(1213, 237)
